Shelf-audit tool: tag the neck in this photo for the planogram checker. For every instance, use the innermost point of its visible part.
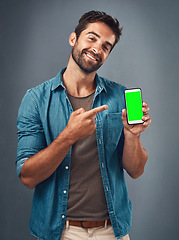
(77, 82)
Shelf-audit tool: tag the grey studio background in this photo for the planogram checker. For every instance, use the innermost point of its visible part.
(34, 47)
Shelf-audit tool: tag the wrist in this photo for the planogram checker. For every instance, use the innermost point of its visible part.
(129, 134)
(66, 137)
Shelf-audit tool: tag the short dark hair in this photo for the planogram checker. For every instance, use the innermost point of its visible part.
(97, 16)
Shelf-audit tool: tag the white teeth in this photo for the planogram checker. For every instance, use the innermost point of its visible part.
(91, 57)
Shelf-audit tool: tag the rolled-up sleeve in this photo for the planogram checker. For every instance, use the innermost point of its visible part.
(31, 138)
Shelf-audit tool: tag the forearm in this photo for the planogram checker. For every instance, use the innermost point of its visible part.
(134, 155)
(43, 164)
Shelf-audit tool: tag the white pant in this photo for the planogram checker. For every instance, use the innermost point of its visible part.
(97, 233)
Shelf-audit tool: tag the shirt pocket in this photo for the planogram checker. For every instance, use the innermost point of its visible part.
(115, 126)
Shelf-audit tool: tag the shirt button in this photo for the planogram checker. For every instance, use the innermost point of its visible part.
(99, 141)
(64, 191)
(63, 216)
(66, 167)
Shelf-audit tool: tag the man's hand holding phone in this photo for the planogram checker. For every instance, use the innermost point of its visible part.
(136, 129)
(135, 120)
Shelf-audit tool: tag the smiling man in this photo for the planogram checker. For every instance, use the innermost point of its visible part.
(74, 143)
(102, 39)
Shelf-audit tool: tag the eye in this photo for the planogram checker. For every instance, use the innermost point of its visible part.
(105, 48)
(91, 38)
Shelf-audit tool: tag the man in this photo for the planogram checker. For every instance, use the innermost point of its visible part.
(74, 143)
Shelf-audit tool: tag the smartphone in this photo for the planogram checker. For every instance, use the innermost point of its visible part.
(133, 100)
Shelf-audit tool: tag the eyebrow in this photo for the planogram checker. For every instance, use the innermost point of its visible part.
(98, 36)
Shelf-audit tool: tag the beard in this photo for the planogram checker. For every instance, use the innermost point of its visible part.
(85, 65)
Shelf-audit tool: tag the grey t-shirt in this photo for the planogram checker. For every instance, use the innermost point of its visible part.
(86, 199)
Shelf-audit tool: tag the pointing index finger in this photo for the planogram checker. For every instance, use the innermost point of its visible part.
(95, 111)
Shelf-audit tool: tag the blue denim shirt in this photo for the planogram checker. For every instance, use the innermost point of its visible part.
(43, 114)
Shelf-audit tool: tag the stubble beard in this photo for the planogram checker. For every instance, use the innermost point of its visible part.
(87, 67)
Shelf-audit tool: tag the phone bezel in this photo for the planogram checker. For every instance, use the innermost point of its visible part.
(133, 90)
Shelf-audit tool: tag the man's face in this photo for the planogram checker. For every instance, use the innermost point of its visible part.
(93, 46)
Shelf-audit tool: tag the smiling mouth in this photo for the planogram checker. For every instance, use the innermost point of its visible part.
(91, 57)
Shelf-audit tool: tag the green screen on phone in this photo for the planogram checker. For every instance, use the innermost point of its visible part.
(134, 105)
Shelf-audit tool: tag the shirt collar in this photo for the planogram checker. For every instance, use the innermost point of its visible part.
(100, 83)
(58, 81)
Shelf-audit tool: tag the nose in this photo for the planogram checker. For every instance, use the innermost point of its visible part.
(97, 49)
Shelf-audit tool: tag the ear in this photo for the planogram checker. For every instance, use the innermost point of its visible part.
(72, 39)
